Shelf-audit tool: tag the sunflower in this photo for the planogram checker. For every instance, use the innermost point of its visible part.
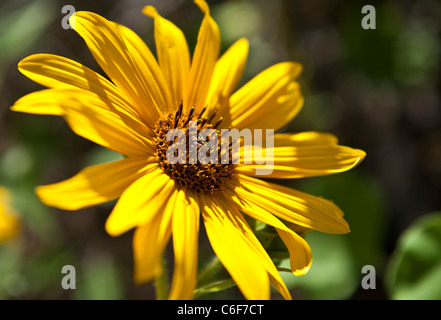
(9, 221)
(131, 114)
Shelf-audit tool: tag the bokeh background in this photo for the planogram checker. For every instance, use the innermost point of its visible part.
(377, 90)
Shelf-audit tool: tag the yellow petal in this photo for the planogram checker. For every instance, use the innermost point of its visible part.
(203, 62)
(95, 184)
(300, 255)
(306, 138)
(59, 72)
(147, 251)
(140, 202)
(144, 60)
(303, 155)
(291, 205)
(109, 48)
(173, 55)
(149, 242)
(228, 235)
(10, 223)
(299, 251)
(47, 102)
(270, 100)
(227, 73)
(91, 117)
(185, 245)
(231, 200)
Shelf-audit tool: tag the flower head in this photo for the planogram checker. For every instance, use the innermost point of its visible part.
(9, 221)
(133, 113)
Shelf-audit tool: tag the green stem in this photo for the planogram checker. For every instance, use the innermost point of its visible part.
(207, 279)
(161, 283)
(284, 270)
(215, 287)
(209, 271)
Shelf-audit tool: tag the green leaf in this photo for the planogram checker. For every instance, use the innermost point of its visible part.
(266, 235)
(414, 271)
(214, 287)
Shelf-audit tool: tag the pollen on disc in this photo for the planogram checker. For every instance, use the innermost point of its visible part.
(201, 177)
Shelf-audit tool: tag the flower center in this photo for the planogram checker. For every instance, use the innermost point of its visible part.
(192, 171)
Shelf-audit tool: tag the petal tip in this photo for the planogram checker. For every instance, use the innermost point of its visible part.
(24, 63)
(243, 42)
(344, 227)
(72, 19)
(111, 229)
(21, 63)
(150, 11)
(202, 4)
(14, 108)
(362, 155)
(39, 190)
(45, 195)
(301, 272)
(358, 156)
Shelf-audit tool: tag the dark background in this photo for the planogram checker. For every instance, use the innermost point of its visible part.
(376, 90)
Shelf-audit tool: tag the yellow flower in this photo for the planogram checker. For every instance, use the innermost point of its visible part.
(131, 115)
(9, 221)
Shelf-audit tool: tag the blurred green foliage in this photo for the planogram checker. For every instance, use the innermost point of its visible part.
(377, 90)
(21, 27)
(414, 271)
